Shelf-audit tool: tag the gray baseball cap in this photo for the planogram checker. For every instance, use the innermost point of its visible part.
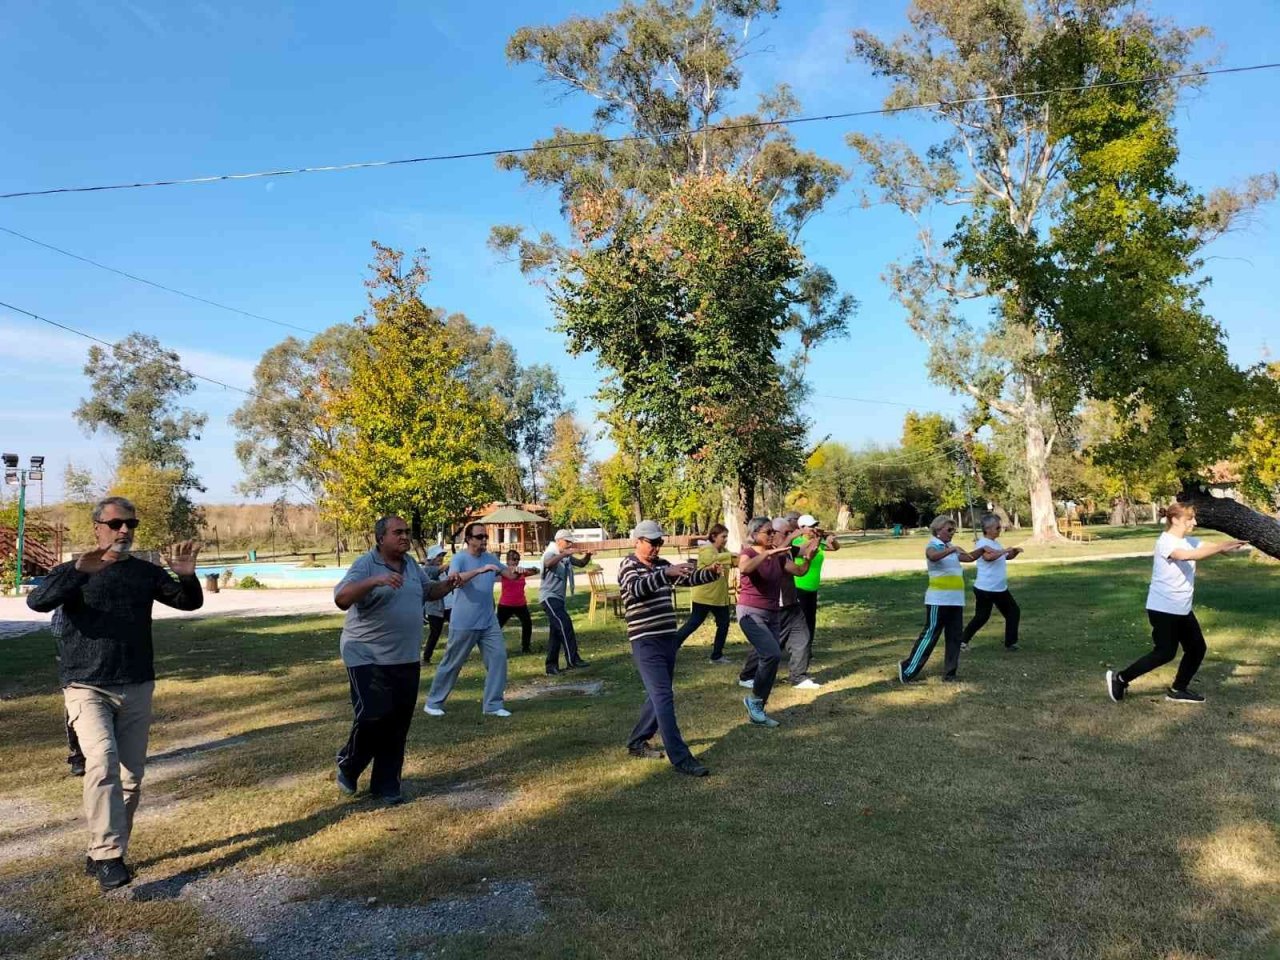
(565, 535)
(647, 530)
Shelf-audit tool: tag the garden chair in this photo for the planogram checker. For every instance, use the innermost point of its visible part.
(602, 595)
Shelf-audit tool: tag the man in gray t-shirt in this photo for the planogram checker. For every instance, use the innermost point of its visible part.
(474, 621)
(558, 561)
(383, 594)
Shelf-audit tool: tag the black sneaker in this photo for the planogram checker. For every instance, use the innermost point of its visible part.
(111, 874)
(77, 766)
(690, 766)
(1183, 696)
(646, 752)
(1115, 686)
(345, 783)
(1012, 647)
(579, 664)
(552, 670)
(389, 799)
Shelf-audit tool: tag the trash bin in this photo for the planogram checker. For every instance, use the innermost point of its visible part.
(211, 582)
(253, 556)
(897, 529)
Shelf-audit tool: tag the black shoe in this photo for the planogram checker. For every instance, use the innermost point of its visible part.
(88, 866)
(552, 670)
(951, 678)
(692, 767)
(646, 752)
(1183, 696)
(1115, 686)
(77, 767)
(578, 664)
(111, 874)
(346, 784)
(389, 799)
(1011, 647)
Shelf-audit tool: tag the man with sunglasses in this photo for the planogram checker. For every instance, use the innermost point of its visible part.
(107, 669)
(383, 594)
(474, 621)
(646, 583)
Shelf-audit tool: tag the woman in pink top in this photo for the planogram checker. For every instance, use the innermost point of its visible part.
(512, 601)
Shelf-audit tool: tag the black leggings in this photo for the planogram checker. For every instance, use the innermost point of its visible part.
(1003, 601)
(435, 626)
(1168, 631)
(526, 623)
(700, 613)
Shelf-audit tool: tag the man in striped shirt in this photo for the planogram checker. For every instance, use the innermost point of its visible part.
(646, 583)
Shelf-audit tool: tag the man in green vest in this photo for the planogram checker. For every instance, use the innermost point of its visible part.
(807, 586)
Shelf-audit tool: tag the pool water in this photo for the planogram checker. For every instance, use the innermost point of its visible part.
(277, 571)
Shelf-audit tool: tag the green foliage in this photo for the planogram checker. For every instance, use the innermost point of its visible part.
(135, 388)
(408, 436)
(1258, 454)
(157, 493)
(686, 306)
(572, 501)
(250, 582)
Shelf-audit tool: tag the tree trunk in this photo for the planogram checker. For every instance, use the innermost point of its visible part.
(1234, 519)
(733, 501)
(842, 518)
(1044, 526)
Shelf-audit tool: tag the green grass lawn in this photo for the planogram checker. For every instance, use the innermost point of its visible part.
(1017, 814)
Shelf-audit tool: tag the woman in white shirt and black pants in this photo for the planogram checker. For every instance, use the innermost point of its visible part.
(1173, 579)
(991, 589)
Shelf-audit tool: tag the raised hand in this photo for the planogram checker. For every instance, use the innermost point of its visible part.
(390, 579)
(716, 568)
(181, 557)
(96, 561)
(678, 570)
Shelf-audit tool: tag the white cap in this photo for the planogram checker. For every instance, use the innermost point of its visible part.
(647, 530)
(806, 521)
(434, 551)
(565, 535)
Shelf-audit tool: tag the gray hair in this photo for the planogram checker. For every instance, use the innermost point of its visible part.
(782, 524)
(988, 519)
(380, 528)
(792, 516)
(756, 525)
(124, 503)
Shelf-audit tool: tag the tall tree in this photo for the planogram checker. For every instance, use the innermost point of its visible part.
(1002, 159)
(407, 434)
(536, 406)
(571, 499)
(662, 74)
(282, 436)
(135, 391)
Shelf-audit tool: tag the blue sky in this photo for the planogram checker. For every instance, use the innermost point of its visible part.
(109, 91)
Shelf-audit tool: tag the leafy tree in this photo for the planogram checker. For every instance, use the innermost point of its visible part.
(536, 406)
(407, 435)
(571, 499)
(135, 389)
(662, 74)
(282, 434)
(834, 484)
(152, 490)
(79, 494)
(1258, 453)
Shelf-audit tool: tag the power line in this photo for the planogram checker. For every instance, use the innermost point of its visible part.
(108, 343)
(152, 283)
(575, 144)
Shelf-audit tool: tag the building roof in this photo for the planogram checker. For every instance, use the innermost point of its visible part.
(510, 514)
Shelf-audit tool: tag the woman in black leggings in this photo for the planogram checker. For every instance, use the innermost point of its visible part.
(1173, 625)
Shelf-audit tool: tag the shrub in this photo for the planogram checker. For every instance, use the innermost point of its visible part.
(250, 582)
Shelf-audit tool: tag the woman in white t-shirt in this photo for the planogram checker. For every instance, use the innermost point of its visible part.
(1173, 580)
(991, 588)
(943, 603)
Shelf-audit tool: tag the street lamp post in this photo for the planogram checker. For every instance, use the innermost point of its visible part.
(16, 476)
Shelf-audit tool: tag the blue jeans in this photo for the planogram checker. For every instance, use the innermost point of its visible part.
(696, 618)
(655, 658)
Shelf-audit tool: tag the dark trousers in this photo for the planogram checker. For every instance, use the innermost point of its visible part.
(1003, 601)
(521, 613)
(760, 627)
(936, 620)
(809, 607)
(793, 636)
(700, 613)
(435, 626)
(1168, 632)
(75, 756)
(383, 698)
(560, 626)
(655, 658)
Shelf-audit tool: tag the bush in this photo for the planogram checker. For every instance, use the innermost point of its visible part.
(250, 582)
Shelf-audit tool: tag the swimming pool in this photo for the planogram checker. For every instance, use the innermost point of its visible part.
(290, 572)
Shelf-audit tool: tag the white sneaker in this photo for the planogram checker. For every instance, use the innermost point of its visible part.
(749, 684)
(431, 711)
(500, 712)
(808, 683)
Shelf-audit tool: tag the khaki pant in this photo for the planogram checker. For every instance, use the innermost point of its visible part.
(112, 723)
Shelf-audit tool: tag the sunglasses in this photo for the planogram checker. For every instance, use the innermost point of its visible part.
(478, 536)
(118, 522)
(654, 543)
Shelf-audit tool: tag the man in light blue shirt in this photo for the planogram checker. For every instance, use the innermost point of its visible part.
(473, 621)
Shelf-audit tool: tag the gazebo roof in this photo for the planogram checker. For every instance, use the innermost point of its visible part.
(511, 515)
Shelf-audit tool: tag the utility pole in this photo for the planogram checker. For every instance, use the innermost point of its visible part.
(16, 476)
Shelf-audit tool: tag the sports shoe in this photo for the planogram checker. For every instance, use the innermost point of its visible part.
(1183, 696)
(691, 766)
(646, 752)
(719, 660)
(77, 766)
(755, 710)
(1115, 686)
(749, 684)
(1012, 647)
(553, 670)
(112, 873)
(500, 712)
(579, 664)
(964, 645)
(808, 683)
(431, 711)
(390, 799)
(345, 783)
